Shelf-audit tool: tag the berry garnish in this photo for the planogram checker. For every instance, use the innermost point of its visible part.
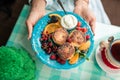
(62, 61)
(58, 59)
(87, 37)
(50, 44)
(53, 57)
(54, 49)
(78, 24)
(69, 40)
(53, 19)
(84, 30)
(44, 45)
(44, 36)
(78, 28)
(50, 36)
(49, 50)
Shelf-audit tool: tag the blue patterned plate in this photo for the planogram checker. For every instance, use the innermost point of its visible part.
(36, 44)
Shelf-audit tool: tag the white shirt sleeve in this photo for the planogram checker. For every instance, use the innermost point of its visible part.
(98, 9)
(49, 2)
(29, 1)
(95, 5)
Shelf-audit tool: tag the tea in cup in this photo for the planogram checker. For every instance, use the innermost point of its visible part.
(115, 52)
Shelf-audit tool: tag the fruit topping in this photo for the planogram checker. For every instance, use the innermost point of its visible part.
(53, 57)
(74, 59)
(54, 18)
(87, 37)
(85, 45)
(79, 24)
(50, 28)
(84, 30)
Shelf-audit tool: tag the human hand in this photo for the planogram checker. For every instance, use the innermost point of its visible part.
(87, 14)
(32, 19)
(37, 11)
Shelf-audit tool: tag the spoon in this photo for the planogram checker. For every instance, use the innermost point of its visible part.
(59, 2)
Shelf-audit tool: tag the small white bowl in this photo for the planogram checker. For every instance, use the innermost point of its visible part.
(69, 21)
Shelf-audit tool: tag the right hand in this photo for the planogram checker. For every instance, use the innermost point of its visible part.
(87, 14)
(33, 17)
(82, 9)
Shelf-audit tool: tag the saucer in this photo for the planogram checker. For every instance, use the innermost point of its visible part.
(102, 65)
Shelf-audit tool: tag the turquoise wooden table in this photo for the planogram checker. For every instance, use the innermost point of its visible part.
(89, 70)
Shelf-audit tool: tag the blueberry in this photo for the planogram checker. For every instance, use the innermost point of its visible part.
(53, 19)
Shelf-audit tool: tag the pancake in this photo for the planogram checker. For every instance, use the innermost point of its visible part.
(77, 38)
(60, 36)
(66, 51)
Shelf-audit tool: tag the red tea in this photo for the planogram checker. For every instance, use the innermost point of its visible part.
(115, 50)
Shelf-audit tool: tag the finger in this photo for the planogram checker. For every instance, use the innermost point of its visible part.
(87, 18)
(91, 21)
(92, 24)
(30, 27)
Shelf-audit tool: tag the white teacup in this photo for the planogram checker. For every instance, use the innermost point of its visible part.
(111, 57)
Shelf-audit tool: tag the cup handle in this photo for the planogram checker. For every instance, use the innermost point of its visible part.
(110, 39)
